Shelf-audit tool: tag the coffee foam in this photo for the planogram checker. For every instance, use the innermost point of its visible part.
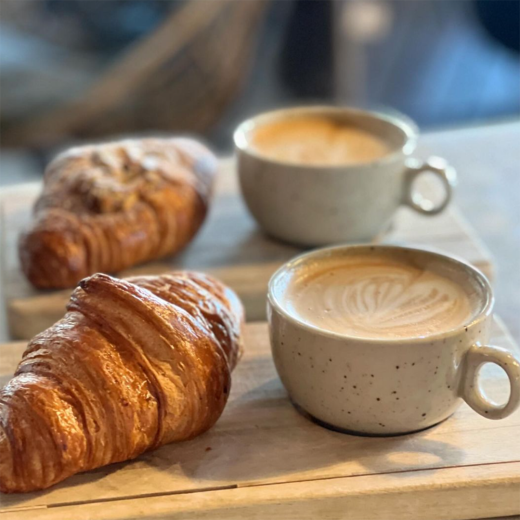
(374, 297)
(316, 140)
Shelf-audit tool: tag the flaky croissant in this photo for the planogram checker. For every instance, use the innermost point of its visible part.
(107, 207)
(133, 365)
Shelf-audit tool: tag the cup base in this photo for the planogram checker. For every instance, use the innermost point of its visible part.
(338, 429)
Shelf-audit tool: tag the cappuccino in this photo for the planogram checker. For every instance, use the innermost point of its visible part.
(384, 340)
(317, 140)
(376, 296)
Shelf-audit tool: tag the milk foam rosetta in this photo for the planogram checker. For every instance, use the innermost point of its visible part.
(317, 140)
(377, 298)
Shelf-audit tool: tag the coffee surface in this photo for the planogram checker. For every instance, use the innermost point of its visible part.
(317, 140)
(377, 297)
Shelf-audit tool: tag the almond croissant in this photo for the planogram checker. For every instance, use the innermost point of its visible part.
(133, 365)
(107, 207)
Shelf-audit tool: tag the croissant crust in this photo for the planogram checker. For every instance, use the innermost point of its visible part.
(133, 365)
(107, 207)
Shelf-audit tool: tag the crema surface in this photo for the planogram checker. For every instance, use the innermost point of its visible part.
(317, 140)
(374, 297)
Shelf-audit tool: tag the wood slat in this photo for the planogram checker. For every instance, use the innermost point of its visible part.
(453, 494)
(266, 459)
(230, 246)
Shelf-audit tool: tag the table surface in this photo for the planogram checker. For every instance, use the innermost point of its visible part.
(250, 464)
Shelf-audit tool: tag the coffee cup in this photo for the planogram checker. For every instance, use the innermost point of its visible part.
(384, 340)
(322, 175)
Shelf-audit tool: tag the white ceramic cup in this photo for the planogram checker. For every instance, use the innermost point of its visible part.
(387, 386)
(319, 205)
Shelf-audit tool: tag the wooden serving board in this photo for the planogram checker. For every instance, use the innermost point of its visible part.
(264, 460)
(230, 246)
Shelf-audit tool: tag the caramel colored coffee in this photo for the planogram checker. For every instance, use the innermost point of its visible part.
(317, 140)
(377, 297)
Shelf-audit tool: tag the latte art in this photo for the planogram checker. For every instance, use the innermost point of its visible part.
(372, 297)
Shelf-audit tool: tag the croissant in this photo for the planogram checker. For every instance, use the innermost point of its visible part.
(133, 365)
(107, 207)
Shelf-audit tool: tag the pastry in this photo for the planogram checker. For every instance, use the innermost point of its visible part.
(133, 365)
(110, 206)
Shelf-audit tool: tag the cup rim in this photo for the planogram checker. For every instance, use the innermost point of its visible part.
(485, 311)
(400, 121)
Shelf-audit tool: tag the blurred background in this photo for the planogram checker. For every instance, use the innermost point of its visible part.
(73, 70)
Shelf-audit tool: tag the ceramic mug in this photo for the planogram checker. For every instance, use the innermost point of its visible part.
(319, 205)
(387, 386)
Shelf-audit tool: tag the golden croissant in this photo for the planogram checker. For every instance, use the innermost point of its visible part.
(133, 365)
(107, 207)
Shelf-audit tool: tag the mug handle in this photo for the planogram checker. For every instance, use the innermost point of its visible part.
(472, 393)
(442, 170)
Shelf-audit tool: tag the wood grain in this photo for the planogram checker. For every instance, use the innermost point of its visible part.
(267, 460)
(230, 246)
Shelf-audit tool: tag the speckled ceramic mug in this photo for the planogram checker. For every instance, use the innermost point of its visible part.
(317, 205)
(387, 386)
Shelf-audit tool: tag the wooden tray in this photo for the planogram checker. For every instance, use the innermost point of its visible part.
(264, 460)
(230, 246)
